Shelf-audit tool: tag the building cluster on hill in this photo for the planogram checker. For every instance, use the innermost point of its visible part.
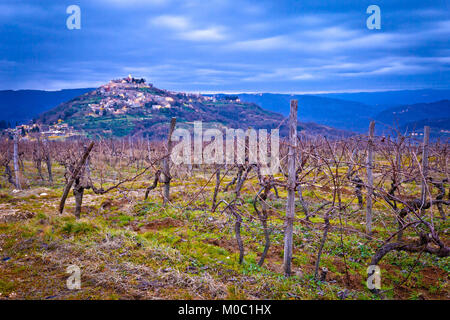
(60, 130)
(122, 95)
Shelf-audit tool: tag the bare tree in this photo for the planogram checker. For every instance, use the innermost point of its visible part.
(75, 177)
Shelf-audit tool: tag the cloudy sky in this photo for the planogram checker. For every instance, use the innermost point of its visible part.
(227, 45)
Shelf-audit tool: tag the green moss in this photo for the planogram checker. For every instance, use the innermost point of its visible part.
(78, 227)
(6, 287)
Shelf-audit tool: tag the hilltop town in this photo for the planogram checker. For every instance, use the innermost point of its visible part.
(117, 98)
(131, 106)
(121, 95)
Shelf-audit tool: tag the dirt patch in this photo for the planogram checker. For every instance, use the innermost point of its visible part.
(275, 254)
(158, 224)
(13, 215)
(108, 203)
(230, 245)
(354, 281)
(430, 276)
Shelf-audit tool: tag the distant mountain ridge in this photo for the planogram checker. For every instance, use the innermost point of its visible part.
(392, 98)
(23, 105)
(343, 111)
(331, 110)
(130, 106)
(439, 127)
(341, 114)
(414, 117)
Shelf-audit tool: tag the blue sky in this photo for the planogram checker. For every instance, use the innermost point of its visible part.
(227, 45)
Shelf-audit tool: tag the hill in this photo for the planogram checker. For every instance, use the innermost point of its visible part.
(392, 98)
(341, 114)
(438, 127)
(332, 110)
(413, 117)
(130, 106)
(23, 105)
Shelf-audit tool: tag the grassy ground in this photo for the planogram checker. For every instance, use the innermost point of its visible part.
(128, 248)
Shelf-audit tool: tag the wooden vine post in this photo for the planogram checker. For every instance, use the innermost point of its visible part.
(426, 141)
(16, 160)
(290, 207)
(369, 167)
(166, 162)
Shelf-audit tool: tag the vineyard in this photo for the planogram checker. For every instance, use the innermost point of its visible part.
(141, 227)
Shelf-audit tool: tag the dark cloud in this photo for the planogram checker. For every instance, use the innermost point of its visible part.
(225, 45)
